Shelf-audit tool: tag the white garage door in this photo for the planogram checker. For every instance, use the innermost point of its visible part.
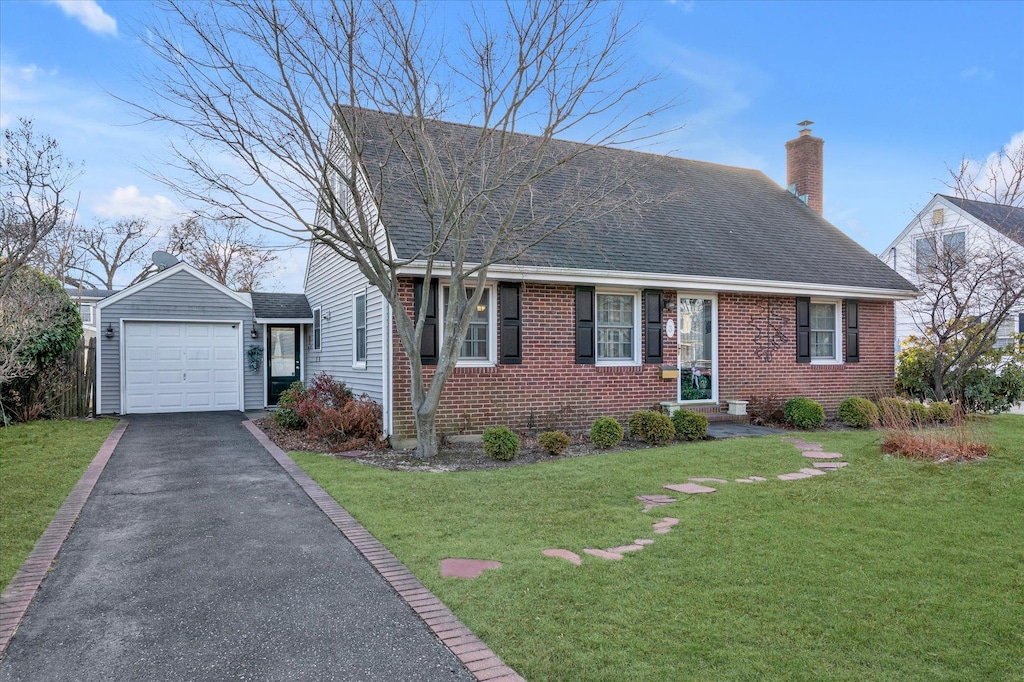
(181, 367)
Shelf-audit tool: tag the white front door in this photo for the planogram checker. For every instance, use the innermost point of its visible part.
(181, 367)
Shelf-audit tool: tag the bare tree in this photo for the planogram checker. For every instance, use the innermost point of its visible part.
(999, 179)
(111, 247)
(60, 254)
(223, 249)
(289, 92)
(35, 178)
(971, 280)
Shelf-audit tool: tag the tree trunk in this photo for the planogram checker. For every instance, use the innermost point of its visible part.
(427, 442)
(938, 378)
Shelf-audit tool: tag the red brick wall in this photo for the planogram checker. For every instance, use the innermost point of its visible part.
(548, 390)
(744, 374)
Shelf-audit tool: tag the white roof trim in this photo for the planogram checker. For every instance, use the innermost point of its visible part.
(937, 201)
(244, 299)
(647, 279)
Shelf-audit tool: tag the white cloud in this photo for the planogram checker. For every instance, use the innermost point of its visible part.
(977, 72)
(90, 14)
(129, 201)
(996, 172)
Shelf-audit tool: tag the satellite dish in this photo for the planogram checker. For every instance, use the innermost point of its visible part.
(163, 260)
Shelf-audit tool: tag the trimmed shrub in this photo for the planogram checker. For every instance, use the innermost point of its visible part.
(690, 425)
(286, 415)
(940, 412)
(894, 412)
(859, 413)
(501, 443)
(804, 413)
(554, 442)
(918, 412)
(654, 428)
(606, 432)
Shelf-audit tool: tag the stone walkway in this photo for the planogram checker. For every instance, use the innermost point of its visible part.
(695, 486)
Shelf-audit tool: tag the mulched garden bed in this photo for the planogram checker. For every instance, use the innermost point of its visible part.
(453, 456)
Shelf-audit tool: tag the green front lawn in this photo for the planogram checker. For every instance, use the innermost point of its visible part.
(885, 570)
(40, 462)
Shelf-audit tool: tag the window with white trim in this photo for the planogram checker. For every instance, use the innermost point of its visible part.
(954, 246)
(479, 346)
(359, 330)
(317, 328)
(85, 310)
(826, 332)
(617, 326)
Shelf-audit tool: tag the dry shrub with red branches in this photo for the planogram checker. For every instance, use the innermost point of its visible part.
(907, 436)
(331, 414)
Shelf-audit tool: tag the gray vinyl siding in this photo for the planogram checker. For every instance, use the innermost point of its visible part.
(331, 284)
(178, 297)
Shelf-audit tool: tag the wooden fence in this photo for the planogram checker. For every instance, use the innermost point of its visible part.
(79, 367)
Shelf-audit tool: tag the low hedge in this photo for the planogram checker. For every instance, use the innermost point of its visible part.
(606, 432)
(804, 413)
(690, 425)
(554, 442)
(501, 443)
(859, 413)
(654, 428)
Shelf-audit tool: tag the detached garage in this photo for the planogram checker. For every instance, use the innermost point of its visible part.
(181, 342)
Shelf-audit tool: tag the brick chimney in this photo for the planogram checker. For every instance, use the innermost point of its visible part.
(805, 167)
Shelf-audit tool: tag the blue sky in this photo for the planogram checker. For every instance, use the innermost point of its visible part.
(897, 90)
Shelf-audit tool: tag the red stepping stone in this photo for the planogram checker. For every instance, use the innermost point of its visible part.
(832, 466)
(792, 477)
(689, 488)
(757, 478)
(709, 480)
(662, 530)
(813, 472)
(622, 549)
(600, 553)
(466, 568)
(743, 480)
(643, 541)
(667, 521)
(790, 439)
(563, 554)
(807, 446)
(652, 501)
(823, 455)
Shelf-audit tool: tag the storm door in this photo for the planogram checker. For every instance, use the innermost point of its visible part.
(284, 366)
(696, 349)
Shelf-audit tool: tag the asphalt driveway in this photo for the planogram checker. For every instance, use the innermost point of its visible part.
(198, 558)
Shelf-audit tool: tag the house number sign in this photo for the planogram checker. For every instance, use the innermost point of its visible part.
(670, 328)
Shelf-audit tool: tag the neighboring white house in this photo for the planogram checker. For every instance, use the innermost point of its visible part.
(87, 300)
(948, 223)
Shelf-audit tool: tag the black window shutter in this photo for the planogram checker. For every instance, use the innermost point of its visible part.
(511, 335)
(428, 342)
(652, 326)
(585, 328)
(803, 329)
(852, 330)
(1020, 323)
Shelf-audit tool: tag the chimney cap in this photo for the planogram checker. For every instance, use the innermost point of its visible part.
(804, 124)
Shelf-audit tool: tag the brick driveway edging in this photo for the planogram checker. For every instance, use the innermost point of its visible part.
(467, 647)
(18, 594)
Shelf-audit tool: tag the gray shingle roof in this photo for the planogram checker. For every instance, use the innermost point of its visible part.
(280, 306)
(1006, 219)
(698, 219)
(90, 293)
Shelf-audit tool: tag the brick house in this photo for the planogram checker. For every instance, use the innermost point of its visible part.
(729, 287)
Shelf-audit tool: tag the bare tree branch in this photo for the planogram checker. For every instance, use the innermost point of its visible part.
(281, 100)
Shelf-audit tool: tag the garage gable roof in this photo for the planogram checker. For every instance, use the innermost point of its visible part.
(159, 277)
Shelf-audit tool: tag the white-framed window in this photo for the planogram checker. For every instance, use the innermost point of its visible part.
(618, 327)
(317, 328)
(826, 331)
(359, 330)
(926, 249)
(480, 346)
(85, 310)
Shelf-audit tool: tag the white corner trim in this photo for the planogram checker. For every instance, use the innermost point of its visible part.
(244, 299)
(386, 362)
